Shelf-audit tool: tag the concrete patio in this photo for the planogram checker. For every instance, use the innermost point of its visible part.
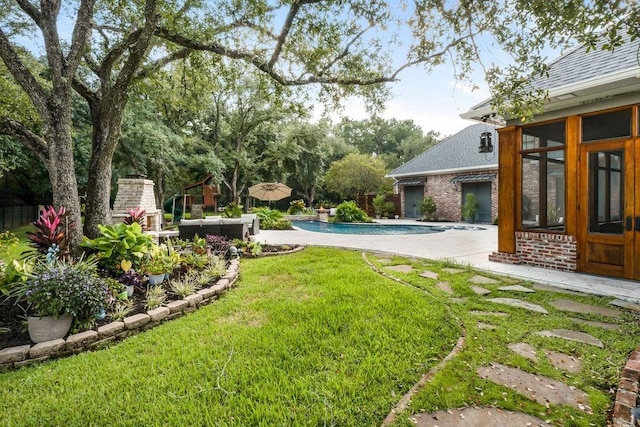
(470, 247)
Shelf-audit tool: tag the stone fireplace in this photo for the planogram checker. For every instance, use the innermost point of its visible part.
(137, 192)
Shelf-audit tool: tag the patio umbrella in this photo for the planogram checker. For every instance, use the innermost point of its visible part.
(269, 191)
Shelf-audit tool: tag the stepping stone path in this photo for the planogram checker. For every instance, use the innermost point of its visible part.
(488, 313)
(539, 287)
(517, 288)
(445, 287)
(513, 302)
(486, 326)
(429, 275)
(474, 417)
(402, 268)
(479, 290)
(541, 389)
(572, 336)
(578, 307)
(626, 304)
(452, 270)
(384, 260)
(603, 325)
(564, 361)
(481, 280)
(525, 350)
(559, 360)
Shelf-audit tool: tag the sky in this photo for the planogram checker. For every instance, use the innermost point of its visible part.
(433, 101)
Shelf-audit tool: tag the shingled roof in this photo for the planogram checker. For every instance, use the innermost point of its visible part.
(458, 152)
(579, 76)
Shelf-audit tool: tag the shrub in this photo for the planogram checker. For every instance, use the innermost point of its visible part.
(427, 208)
(232, 210)
(350, 212)
(296, 207)
(137, 215)
(272, 219)
(378, 204)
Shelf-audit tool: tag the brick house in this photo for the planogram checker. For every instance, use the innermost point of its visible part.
(447, 172)
(570, 178)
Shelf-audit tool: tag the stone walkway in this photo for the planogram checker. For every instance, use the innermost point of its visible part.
(546, 391)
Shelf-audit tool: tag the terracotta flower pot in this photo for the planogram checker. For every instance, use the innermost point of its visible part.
(48, 328)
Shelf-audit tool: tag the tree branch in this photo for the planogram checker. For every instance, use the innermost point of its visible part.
(23, 76)
(286, 27)
(31, 10)
(32, 141)
(81, 32)
(159, 63)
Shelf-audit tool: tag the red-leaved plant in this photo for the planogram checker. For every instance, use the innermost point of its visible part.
(136, 215)
(52, 231)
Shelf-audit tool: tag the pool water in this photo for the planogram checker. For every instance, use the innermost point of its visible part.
(373, 228)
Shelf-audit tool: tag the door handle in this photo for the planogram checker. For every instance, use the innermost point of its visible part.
(627, 223)
(637, 228)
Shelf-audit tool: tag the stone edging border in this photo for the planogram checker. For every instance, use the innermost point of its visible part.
(20, 356)
(627, 394)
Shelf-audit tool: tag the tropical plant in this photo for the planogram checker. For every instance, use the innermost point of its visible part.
(131, 278)
(218, 244)
(389, 208)
(65, 287)
(271, 219)
(120, 242)
(162, 259)
(199, 244)
(350, 212)
(232, 210)
(136, 215)
(53, 230)
(120, 310)
(427, 208)
(194, 260)
(187, 285)
(155, 297)
(470, 207)
(296, 207)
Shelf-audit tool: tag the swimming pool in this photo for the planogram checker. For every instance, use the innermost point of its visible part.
(373, 228)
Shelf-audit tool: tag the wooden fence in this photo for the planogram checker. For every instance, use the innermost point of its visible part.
(16, 216)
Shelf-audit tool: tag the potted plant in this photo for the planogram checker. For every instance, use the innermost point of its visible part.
(156, 268)
(427, 208)
(131, 279)
(60, 293)
(470, 208)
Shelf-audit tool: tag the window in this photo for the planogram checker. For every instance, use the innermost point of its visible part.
(615, 124)
(543, 176)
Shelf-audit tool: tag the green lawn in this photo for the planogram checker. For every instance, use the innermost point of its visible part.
(314, 338)
(319, 338)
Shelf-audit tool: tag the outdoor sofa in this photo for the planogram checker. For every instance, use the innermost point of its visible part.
(231, 228)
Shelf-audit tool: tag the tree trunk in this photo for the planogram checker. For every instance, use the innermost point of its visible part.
(106, 119)
(62, 173)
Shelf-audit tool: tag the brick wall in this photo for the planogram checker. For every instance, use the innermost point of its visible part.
(548, 250)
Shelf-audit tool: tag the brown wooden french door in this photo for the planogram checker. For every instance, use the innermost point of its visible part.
(609, 210)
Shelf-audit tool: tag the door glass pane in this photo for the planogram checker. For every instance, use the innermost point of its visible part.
(616, 124)
(606, 191)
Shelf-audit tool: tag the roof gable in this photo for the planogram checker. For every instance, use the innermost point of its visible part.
(457, 152)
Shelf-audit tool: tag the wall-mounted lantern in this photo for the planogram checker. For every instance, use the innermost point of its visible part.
(485, 143)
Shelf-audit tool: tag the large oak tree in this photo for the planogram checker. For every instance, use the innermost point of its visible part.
(100, 49)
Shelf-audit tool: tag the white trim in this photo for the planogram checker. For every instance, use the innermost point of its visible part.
(445, 171)
(589, 85)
